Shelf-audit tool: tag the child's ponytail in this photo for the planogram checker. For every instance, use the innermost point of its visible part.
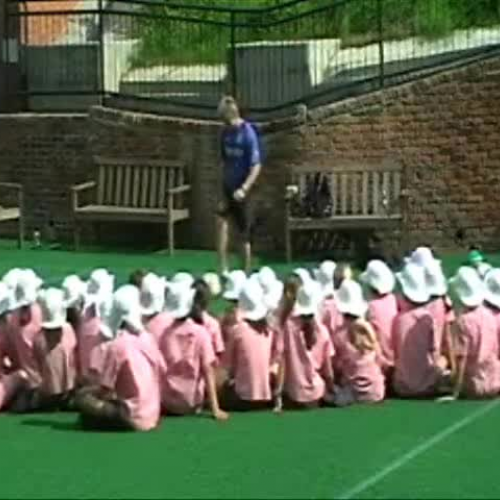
(290, 291)
(201, 301)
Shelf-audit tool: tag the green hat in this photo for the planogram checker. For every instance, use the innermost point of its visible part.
(475, 257)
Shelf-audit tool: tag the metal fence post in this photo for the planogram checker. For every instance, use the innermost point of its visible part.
(232, 50)
(380, 22)
(100, 29)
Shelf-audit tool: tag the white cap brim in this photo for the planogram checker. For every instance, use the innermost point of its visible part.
(256, 314)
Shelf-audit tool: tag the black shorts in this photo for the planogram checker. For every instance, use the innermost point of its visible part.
(241, 213)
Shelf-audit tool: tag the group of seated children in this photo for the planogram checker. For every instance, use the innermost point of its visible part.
(123, 358)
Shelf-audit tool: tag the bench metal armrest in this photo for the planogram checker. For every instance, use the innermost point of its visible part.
(84, 186)
(179, 189)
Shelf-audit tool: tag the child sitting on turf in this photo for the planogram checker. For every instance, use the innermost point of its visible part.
(440, 308)
(54, 350)
(250, 355)
(10, 382)
(92, 331)
(492, 300)
(189, 357)
(235, 282)
(25, 324)
(325, 278)
(419, 367)
(156, 320)
(362, 377)
(203, 317)
(127, 396)
(476, 339)
(74, 290)
(272, 288)
(382, 308)
(306, 352)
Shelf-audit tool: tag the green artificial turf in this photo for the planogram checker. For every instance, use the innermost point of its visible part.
(316, 454)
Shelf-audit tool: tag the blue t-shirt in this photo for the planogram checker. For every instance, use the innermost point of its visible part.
(240, 152)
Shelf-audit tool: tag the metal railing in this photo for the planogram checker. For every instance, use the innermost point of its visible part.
(177, 56)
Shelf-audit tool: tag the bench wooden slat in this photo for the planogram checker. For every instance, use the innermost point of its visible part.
(109, 185)
(118, 186)
(343, 193)
(126, 195)
(136, 184)
(144, 187)
(365, 182)
(101, 183)
(162, 189)
(132, 162)
(333, 192)
(355, 193)
(396, 186)
(376, 192)
(386, 193)
(153, 188)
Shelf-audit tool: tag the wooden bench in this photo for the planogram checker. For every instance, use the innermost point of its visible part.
(15, 213)
(362, 197)
(136, 190)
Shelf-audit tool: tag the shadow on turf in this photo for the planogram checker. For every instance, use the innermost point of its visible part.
(54, 425)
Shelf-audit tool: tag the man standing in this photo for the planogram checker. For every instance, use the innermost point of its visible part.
(241, 157)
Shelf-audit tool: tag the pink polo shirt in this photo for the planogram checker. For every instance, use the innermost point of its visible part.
(363, 374)
(21, 337)
(304, 370)
(381, 313)
(56, 363)
(329, 314)
(248, 358)
(214, 329)
(415, 350)
(443, 315)
(228, 320)
(188, 352)
(89, 338)
(339, 335)
(496, 314)
(477, 339)
(133, 369)
(158, 324)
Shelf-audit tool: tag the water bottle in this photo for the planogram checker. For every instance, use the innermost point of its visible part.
(37, 239)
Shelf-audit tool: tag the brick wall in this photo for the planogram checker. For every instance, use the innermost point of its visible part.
(444, 130)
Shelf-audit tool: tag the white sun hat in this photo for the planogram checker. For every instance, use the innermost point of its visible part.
(152, 295)
(184, 278)
(483, 268)
(11, 278)
(180, 300)
(235, 282)
(324, 276)
(492, 284)
(413, 284)
(213, 282)
(26, 291)
(469, 287)
(125, 308)
(31, 275)
(252, 302)
(379, 276)
(303, 274)
(308, 299)
(272, 287)
(349, 299)
(435, 279)
(100, 282)
(6, 298)
(421, 256)
(74, 289)
(53, 309)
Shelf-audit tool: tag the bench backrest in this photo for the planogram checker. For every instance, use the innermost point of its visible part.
(356, 190)
(136, 183)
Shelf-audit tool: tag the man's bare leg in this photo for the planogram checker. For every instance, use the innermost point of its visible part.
(223, 242)
(247, 257)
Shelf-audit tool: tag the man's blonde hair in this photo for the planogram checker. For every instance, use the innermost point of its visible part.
(228, 107)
